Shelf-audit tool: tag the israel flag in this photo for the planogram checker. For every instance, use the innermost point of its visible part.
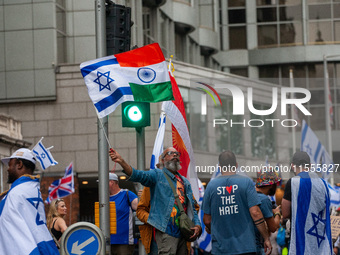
(334, 192)
(158, 145)
(204, 242)
(43, 155)
(311, 228)
(317, 152)
(23, 227)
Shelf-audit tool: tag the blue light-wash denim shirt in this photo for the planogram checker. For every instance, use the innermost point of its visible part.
(162, 196)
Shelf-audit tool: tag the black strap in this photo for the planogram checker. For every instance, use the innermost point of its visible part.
(179, 204)
(127, 194)
(54, 222)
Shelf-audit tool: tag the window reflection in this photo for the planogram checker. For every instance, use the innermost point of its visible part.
(319, 11)
(267, 35)
(266, 14)
(237, 37)
(290, 13)
(237, 16)
(291, 33)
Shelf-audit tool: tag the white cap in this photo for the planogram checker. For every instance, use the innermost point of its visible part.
(22, 153)
(113, 177)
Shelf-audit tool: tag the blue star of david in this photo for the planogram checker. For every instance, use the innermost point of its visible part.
(316, 228)
(98, 80)
(43, 155)
(35, 201)
(308, 149)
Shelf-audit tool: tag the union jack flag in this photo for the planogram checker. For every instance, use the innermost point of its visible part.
(62, 187)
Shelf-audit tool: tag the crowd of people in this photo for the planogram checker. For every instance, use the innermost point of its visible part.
(238, 214)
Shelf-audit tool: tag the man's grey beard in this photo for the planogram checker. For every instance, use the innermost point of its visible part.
(172, 165)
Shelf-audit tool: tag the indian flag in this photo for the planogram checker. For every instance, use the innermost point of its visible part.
(137, 75)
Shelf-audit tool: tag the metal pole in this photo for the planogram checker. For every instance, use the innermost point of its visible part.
(103, 160)
(140, 138)
(328, 120)
(291, 81)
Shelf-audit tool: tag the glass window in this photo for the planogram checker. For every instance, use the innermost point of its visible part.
(319, 122)
(337, 31)
(291, 33)
(266, 14)
(336, 10)
(198, 122)
(265, 2)
(237, 37)
(337, 75)
(319, 11)
(290, 13)
(269, 74)
(267, 35)
(236, 16)
(319, 32)
(239, 71)
(318, 1)
(263, 138)
(236, 3)
(289, 2)
(228, 137)
(318, 97)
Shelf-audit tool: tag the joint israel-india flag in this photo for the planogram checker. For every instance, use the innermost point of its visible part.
(137, 75)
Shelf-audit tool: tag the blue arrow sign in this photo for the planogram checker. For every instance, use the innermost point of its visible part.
(82, 242)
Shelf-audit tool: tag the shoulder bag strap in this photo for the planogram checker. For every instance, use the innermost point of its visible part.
(179, 204)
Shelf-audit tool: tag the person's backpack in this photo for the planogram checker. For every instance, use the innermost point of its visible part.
(281, 236)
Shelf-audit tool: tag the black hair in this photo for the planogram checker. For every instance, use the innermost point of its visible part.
(28, 164)
(227, 159)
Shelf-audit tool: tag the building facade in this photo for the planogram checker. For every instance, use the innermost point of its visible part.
(43, 43)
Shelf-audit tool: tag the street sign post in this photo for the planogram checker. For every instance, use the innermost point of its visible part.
(82, 238)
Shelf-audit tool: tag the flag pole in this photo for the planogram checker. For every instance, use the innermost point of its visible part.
(291, 83)
(103, 159)
(327, 114)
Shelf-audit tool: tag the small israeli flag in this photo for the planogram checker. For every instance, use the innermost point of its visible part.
(158, 146)
(43, 155)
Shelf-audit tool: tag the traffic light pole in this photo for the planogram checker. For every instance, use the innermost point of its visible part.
(103, 159)
(140, 138)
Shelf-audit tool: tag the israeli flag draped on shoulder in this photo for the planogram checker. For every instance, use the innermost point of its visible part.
(137, 75)
(311, 228)
(23, 222)
(317, 152)
(43, 155)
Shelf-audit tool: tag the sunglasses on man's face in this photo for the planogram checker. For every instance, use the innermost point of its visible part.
(169, 153)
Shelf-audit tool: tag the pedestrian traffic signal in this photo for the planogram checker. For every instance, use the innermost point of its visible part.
(135, 114)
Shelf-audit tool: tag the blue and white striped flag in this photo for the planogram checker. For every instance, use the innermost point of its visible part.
(158, 146)
(316, 151)
(311, 228)
(22, 219)
(334, 193)
(43, 155)
(204, 242)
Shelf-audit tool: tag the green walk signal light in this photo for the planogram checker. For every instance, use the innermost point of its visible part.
(135, 114)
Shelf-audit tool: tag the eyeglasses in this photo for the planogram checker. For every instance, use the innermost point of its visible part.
(169, 153)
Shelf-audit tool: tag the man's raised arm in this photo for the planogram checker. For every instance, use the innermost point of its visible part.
(115, 157)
